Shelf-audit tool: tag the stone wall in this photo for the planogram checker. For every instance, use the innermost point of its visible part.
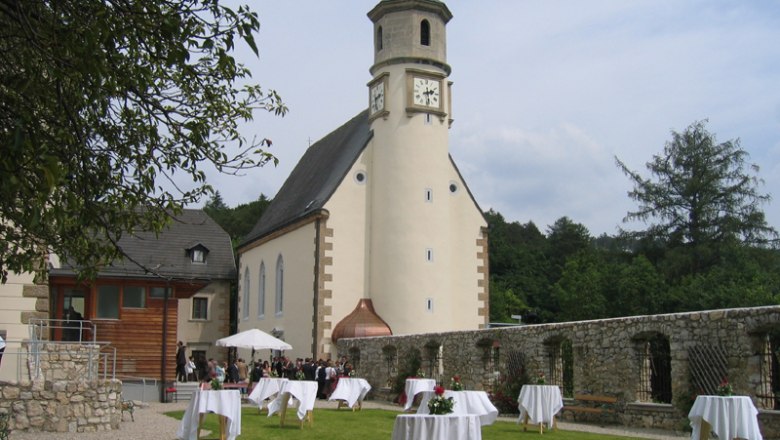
(606, 358)
(62, 406)
(64, 394)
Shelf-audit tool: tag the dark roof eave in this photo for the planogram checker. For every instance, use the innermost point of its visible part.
(301, 219)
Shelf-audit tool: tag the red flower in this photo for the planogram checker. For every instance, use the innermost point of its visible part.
(439, 390)
(456, 378)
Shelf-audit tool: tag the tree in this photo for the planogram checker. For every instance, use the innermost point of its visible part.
(701, 196)
(101, 102)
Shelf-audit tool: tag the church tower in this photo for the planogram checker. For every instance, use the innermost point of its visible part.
(375, 232)
(414, 243)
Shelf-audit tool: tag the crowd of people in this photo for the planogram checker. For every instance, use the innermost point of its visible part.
(325, 372)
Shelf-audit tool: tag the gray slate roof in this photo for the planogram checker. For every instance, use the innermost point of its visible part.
(315, 178)
(317, 175)
(167, 253)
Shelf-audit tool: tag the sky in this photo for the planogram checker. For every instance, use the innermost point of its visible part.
(546, 94)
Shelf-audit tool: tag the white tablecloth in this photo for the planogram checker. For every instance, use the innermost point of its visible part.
(303, 390)
(465, 402)
(223, 402)
(729, 417)
(351, 390)
(265, 388)
(414, 386)
(444, 427)
(540, 402)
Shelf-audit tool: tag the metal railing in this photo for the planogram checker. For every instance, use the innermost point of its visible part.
(100, 357)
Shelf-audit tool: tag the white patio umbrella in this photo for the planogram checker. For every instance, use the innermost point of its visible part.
(255, 339)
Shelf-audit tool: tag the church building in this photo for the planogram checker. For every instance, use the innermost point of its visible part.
(375, 231)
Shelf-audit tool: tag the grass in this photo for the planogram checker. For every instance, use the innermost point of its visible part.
(366, 424)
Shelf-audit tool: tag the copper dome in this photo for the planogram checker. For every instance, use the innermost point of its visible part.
(362, 322)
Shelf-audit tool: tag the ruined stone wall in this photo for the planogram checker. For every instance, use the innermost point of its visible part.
(606, 357)
(62, 406)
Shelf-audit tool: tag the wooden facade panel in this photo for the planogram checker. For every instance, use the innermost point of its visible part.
(138, 340)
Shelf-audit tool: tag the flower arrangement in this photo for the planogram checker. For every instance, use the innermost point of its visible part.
(540, 379)
(299, 375)
(439, 404)
(455, 384)
(352, 373)
(724, 389)
(215, 383)
(419, 374)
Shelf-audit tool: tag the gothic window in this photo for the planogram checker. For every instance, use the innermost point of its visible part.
(379, 39)
(425, 33)
(769, 392)
(245, 298)
(390, 354)
(435, 354)
(354, 358)
(655, 368)
(560, 367)
(261, 292)
(279, 286)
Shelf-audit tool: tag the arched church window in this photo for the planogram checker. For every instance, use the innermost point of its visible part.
(279, 286)
(261, 292)
(379, 39)
(425, 33)
(245, 299)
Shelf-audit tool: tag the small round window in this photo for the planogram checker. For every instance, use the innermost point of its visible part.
(453, 187)
(360, 177)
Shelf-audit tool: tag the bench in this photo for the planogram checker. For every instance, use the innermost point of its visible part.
(600, 405)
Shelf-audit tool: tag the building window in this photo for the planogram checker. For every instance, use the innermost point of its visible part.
(261, 293)
(360, 177)
(379, 39)
(560, 369)
(769, 388)
(160, 292)
(198, 256)
(279, 286)
(655, 369)
(200, 308)
(429, 305)
(429, 255)
(453, 188)
(425, 33)
(108, 302)
(245, 298)
(428, 195)
(134, 297)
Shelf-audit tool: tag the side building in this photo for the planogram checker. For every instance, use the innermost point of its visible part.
(182, 295)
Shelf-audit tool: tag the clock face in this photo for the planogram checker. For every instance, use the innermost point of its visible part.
(426, 92)
(377, 98)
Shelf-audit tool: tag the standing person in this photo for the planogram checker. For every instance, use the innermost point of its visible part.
(2, 348)
(322, 374)
(191, 370)
(243, 370)
(181, 362)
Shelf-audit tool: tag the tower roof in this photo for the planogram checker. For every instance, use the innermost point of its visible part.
(387, 6)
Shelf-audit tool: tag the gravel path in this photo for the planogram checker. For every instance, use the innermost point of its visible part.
(151, 424)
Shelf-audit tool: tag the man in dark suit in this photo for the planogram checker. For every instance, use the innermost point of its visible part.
(232, 373)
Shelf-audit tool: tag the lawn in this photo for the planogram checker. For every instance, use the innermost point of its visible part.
(362, 425)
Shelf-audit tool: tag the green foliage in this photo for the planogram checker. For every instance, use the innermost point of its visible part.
(238, 221)
(701, 196)
(108, 110)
